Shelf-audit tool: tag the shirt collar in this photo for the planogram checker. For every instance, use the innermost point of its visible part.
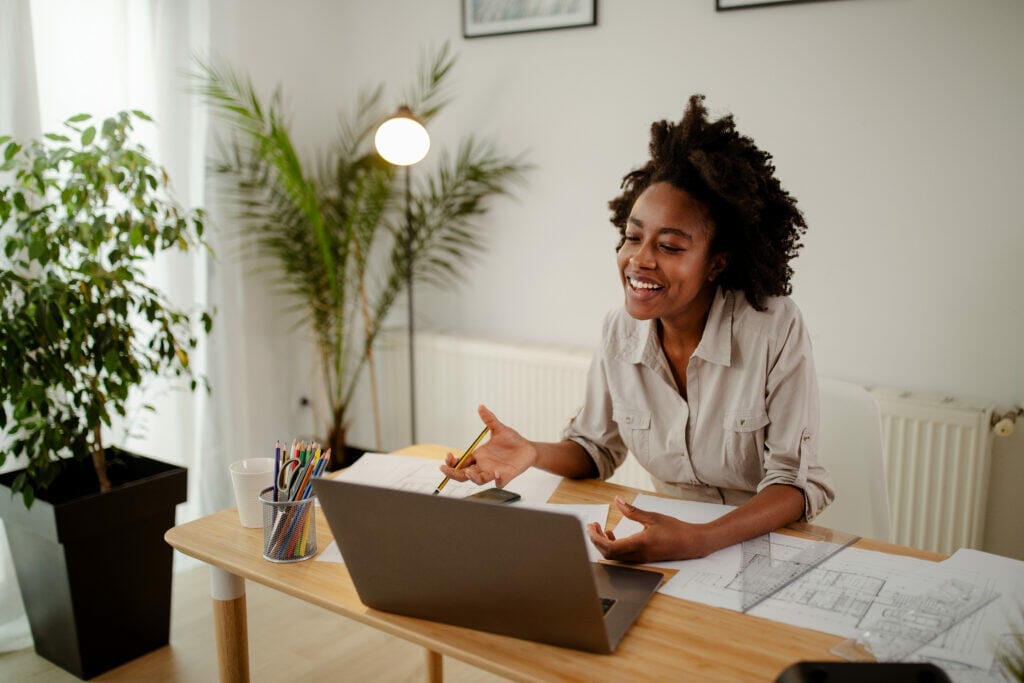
(716, 342)
(647, 350)
(642, 345)
(637, 342)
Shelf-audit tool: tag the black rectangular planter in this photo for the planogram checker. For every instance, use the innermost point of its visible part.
(94, 571)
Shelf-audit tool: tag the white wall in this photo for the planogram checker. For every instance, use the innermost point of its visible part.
(896, 123)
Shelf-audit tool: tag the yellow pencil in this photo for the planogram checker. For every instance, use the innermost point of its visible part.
(466, 454)
(306, 521)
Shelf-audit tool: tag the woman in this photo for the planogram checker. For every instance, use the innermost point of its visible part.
(706, 373)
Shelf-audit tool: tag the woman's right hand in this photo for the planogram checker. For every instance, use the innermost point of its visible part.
(506, 455)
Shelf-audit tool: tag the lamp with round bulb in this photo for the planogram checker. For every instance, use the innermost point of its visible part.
(403, 141)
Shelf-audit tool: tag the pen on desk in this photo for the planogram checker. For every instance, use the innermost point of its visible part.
(465, 454)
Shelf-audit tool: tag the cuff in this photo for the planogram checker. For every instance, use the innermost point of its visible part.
(605, 465)
(816, 499)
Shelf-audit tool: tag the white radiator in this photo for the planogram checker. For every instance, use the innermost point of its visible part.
(937, 450)
(938, 453)
(533, 389)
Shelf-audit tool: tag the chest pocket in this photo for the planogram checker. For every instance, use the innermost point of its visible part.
(635, 430)
(743, 436)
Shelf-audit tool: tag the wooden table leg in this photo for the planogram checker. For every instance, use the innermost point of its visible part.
(228, 593)
(435, 667)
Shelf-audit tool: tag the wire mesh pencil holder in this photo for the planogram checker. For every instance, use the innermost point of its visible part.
(289, 528)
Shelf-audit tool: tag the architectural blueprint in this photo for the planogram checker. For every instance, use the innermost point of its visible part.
(853, 590)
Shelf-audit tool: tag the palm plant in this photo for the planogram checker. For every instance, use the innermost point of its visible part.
(336, 236)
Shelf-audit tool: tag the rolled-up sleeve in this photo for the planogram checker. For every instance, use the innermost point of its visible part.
(593, 426)
(791, 440)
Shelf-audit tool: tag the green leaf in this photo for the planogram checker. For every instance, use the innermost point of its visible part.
(141, 114)
(70, 350)
(78, 118)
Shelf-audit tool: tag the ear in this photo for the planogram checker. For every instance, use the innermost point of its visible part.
(718, 264)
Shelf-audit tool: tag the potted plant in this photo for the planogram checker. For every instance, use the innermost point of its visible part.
(337, 236)
(80, 213)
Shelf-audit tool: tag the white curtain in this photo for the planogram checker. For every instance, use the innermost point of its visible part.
(19, 116)
(61, 58)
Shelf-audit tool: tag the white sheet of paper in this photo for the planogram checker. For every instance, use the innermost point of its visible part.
(332, 553)
(976, 639)
(686, 510)
(723, 561)
(839, 595)
(808, 602)
(410, 473)
(842, 595)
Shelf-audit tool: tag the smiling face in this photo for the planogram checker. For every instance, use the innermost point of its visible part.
(664, 262)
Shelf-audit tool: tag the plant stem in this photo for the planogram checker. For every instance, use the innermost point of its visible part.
(99, 460)
(374, 398)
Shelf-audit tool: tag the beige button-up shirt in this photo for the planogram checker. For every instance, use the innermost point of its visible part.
(750, 418)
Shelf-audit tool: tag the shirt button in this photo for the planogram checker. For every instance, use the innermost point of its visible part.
(629, 420)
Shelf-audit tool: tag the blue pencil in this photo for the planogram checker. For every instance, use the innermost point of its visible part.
(317, 471)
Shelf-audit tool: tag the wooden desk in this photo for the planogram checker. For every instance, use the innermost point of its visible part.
(672, 640)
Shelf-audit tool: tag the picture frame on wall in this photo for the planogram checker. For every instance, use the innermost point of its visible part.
(482, 18)
(724, 5)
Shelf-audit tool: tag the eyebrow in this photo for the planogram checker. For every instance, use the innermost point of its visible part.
(674, 231)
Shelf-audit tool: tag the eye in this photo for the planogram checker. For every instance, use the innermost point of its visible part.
(670, 248)
(631, 237)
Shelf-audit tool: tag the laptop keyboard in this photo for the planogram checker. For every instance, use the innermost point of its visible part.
(606, 604)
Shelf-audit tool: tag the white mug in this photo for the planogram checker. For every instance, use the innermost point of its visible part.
(249, 477)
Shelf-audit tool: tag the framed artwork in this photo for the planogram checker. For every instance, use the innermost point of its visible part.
(723, 5)
(482, 18)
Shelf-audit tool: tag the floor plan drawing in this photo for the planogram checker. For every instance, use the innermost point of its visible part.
(843, 593)
(852, 592)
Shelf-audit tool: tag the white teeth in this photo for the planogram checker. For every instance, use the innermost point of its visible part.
(636, 284)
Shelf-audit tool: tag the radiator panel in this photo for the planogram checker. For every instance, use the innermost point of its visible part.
(938, 454)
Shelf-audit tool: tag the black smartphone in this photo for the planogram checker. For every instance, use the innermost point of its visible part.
(854, 672)
(495, 495)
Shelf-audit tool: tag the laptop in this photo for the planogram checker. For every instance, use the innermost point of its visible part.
(506, 569)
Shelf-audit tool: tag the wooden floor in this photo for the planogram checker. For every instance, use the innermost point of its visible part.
(280, 646)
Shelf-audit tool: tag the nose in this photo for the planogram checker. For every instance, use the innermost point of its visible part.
(644, 257)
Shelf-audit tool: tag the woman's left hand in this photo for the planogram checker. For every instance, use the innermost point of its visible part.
(663, 538)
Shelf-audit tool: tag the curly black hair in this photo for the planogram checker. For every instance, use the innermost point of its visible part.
(754, 219)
